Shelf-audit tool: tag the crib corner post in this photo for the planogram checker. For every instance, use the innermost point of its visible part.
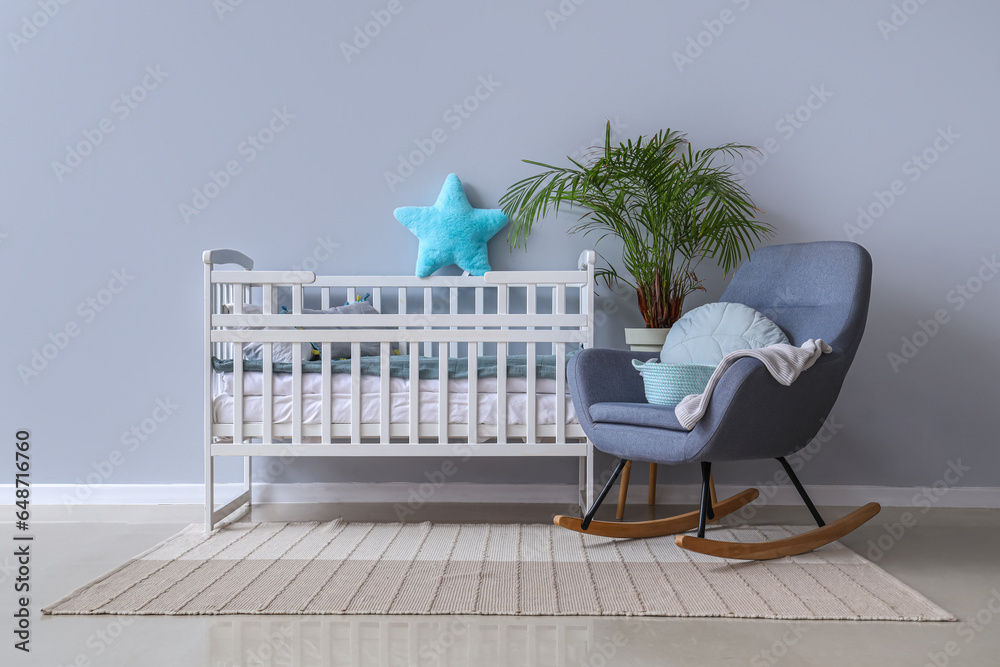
(589, 483)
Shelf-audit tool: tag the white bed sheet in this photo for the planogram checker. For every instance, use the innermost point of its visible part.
(399, 400)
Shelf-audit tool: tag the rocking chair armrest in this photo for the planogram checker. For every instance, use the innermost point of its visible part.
(746, 374)
(752, 416)
(598, 375)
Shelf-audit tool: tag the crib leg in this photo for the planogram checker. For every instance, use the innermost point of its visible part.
(209, 493)
(248, 478)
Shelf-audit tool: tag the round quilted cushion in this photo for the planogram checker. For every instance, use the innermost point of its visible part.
(708, 333)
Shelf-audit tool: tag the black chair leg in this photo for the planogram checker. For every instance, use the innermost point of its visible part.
(705, 512)
(589, 516)
(802, 492)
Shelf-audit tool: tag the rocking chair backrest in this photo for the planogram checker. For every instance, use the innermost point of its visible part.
(810, 290)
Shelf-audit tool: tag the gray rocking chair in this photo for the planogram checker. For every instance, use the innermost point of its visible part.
(811, 290)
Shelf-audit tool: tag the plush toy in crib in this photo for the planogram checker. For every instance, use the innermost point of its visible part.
(358, 299)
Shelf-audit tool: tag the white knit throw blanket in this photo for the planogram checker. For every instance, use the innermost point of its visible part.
(785, 363)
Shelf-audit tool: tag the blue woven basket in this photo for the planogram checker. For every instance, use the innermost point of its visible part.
(667, 384)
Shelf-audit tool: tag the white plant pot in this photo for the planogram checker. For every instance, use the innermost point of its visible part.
(644, 339)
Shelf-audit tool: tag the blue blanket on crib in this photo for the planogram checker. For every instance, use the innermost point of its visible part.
(399, 366)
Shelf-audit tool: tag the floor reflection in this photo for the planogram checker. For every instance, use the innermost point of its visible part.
(361, 641)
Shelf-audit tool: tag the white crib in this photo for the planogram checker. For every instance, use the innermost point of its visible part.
(460, 318)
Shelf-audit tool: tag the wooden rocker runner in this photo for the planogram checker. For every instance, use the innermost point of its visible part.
(713, 510)
(811, 291)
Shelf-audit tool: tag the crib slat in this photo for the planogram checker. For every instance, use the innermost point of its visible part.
(296, 371)
(532, 416)
(532, 301)
(479, 311)
(355, 393)
(352, 294)
(442, 395)
(532, 396)
(560, 392)
(267, 351)
(326, 391)
(501, 393)
(267, 393)
(377, 298)
(296, 393)
(473, 395)
(414, 398)
(403, 347)
(559, 307)
(453, 310)
(502, 292)
(587, 308)
(324, 298)
(384, 415)
(237, 393)
(428, 310)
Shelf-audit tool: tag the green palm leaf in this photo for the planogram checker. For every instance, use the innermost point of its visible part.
(670, 206)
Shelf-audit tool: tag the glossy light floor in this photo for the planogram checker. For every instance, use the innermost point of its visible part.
(951, 556)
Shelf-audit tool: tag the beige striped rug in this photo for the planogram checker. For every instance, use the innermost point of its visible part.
(533, 569)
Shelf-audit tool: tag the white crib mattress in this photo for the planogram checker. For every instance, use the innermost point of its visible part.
(399, 400)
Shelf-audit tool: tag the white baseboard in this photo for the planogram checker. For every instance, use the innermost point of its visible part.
(459, 492)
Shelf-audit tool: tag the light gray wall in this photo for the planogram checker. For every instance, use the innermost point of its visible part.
(891, 92)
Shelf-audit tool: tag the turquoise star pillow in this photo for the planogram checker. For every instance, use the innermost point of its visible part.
(451, 231)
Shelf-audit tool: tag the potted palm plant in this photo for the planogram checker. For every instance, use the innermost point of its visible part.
(670, 205)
